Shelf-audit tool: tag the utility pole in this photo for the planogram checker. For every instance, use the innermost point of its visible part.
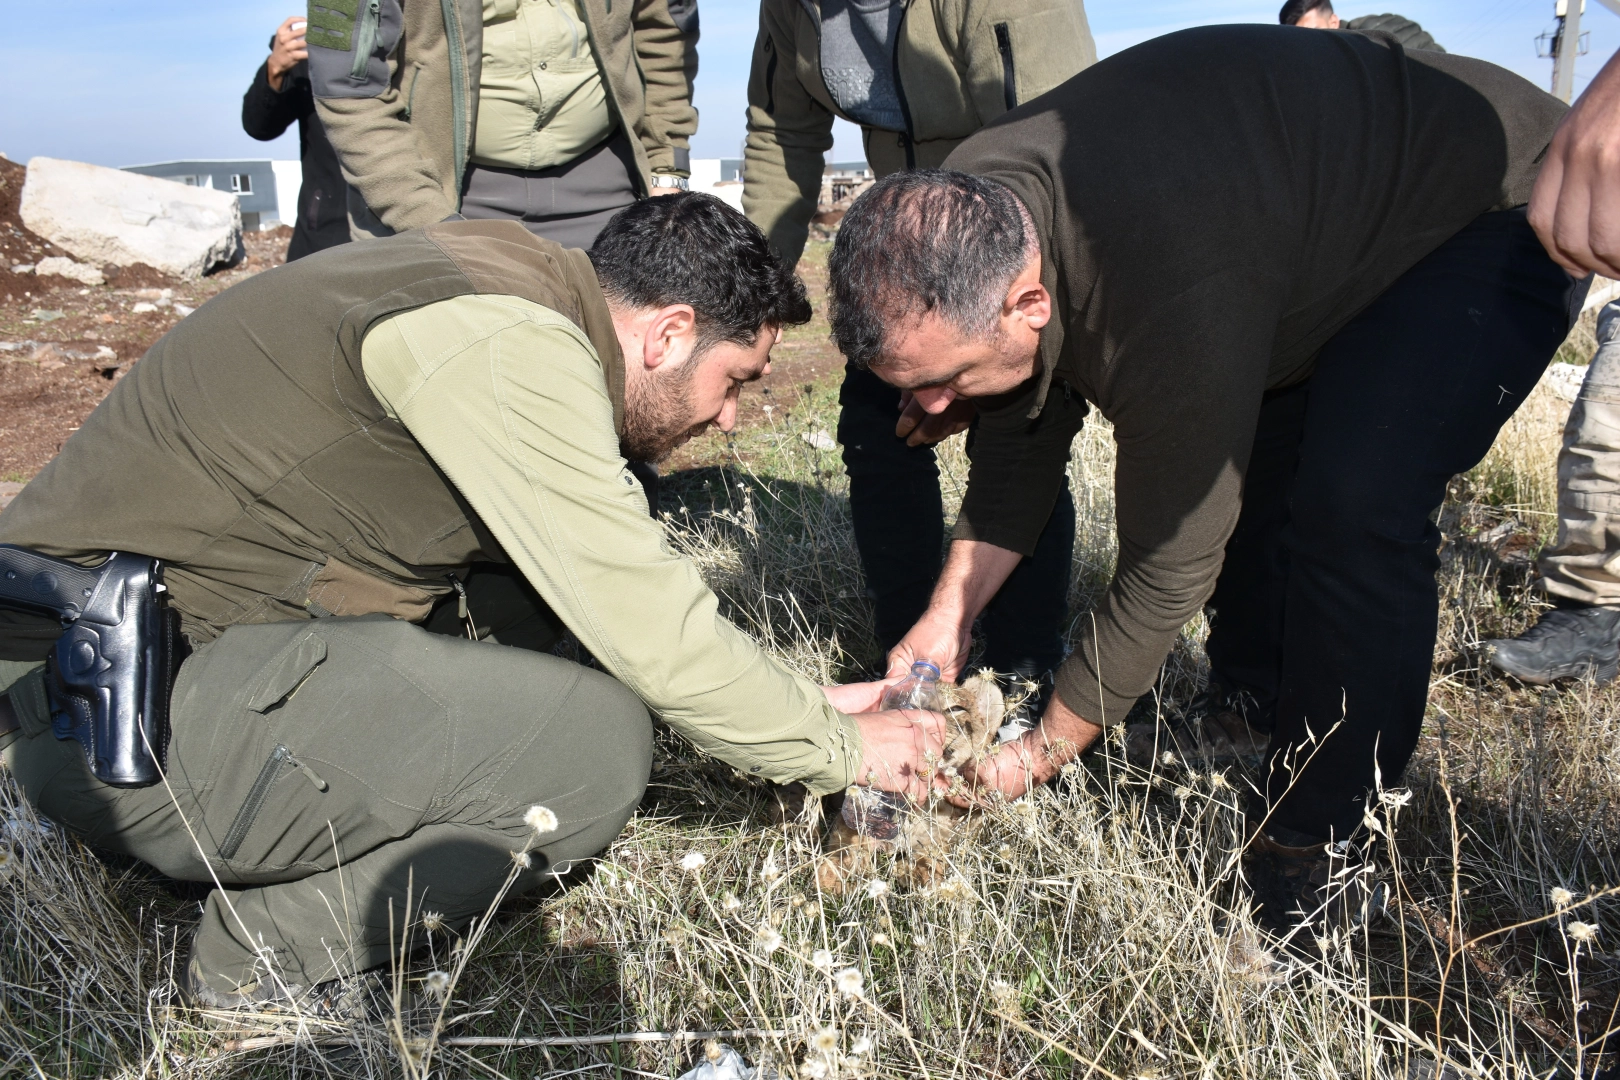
(1566, 45)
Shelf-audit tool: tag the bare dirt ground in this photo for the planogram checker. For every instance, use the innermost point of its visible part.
(63, 345)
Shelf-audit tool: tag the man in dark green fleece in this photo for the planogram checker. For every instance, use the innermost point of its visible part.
(348, 462)
(1293, 270)
(918, 76)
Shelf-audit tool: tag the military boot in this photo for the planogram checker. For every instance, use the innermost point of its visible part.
(1298, 880)
(357, 998)
(1219, 727)
(1567, 642)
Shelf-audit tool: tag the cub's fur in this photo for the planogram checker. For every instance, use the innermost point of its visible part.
(974, 712)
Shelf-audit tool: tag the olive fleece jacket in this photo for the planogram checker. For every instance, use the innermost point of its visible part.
(958, 64)
(1212, 207)
(396, 86)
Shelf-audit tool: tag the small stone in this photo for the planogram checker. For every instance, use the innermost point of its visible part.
(83, 273)
(143, 308)
(819, 440)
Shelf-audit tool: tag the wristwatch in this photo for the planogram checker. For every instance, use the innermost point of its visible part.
(680, 183)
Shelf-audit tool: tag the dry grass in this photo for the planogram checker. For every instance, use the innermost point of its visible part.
(1097, 929)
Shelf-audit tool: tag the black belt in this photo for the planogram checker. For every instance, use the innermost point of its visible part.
(8, 715)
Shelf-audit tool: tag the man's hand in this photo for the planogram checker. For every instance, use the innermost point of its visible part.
(1021, 765)
(1575, 207)
(973, 573)
(286, 51)
(919, 427)
(940, 637)
(896, 748)
(860, 697)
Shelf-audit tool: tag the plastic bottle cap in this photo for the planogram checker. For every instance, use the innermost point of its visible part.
(931, 669)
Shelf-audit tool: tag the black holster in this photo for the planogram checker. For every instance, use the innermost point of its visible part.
(108, 676)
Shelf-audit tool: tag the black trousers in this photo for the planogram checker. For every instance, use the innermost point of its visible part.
(900, 531)
(1326, 608)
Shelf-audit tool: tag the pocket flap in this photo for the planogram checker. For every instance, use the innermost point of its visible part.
(287, 671)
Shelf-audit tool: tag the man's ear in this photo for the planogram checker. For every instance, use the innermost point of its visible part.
(670, 334)
(1028, 302)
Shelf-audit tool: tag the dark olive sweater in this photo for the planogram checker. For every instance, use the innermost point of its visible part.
(1213, 206)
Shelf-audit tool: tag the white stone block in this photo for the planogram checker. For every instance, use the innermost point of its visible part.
(105, 216)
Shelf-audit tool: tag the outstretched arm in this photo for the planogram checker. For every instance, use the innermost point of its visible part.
(1575, 207)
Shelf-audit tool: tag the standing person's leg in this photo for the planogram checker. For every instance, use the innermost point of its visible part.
(566, 203)
(1023, 626)
(894, 504)
(1582, 570)
(329, 770)
(1245, 644)
(1410, 393)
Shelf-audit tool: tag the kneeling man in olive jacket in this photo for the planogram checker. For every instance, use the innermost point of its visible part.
(383, 479)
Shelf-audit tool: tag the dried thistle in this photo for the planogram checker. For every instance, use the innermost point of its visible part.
(541, 819)
(1581, 932)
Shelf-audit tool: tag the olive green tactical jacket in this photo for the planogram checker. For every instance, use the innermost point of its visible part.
(396, 86)
(959, 64)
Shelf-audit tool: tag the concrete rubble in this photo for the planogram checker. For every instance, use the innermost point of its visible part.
(107, 216)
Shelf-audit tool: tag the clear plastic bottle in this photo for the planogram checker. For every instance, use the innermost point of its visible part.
(919, 690)
(872, 811)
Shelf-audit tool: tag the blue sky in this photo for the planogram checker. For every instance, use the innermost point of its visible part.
(119, 83)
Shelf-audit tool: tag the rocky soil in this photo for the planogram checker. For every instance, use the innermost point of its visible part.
(63, 345)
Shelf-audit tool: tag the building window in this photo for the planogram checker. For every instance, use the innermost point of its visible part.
(192, 181)
(242, 183)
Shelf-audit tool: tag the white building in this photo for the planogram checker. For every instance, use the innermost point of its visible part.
(720, 177)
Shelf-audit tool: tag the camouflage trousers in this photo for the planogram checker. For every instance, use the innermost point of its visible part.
(1584, 563)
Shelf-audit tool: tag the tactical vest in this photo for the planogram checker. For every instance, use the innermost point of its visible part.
(246, 450)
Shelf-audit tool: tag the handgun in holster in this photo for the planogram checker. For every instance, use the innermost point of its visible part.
(108, 676)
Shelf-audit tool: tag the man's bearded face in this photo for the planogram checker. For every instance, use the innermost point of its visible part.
(660, 411)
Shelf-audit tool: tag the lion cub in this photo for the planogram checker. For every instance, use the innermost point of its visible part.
(874, 820)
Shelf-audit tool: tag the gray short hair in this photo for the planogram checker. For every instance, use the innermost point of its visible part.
(928, 240)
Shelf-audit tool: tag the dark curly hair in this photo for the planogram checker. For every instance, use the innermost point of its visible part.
(691, 248)
(919, 241)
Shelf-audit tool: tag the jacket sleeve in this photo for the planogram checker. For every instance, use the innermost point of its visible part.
(360, 105)
(266, 113)
(789, 134)
(665, 54)
(1183, 432)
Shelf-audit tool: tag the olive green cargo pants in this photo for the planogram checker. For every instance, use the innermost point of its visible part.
(322, 770)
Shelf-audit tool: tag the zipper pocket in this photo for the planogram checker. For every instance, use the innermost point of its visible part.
(367, 38)
(1009, 81)
(770, 77)
(410, 98)
(254, 802)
